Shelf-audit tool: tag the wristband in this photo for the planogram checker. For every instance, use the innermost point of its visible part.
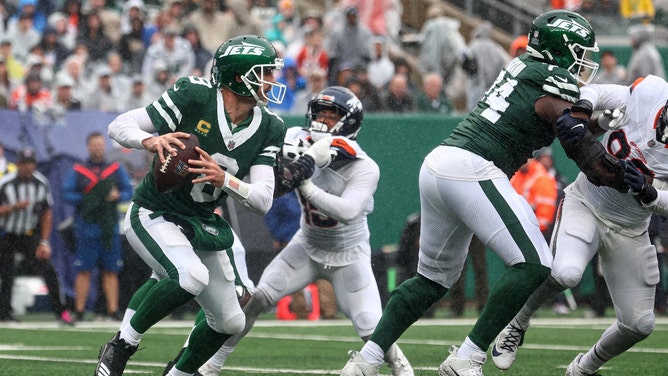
(45, 242)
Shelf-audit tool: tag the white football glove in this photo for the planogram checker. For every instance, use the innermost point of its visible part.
(307, 188)
(611, 119)
(321, 153)
(293, 149)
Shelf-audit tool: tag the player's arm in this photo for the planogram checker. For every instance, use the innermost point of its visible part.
(611, 99)
(134, 129)
(571, 128)
(354, 198)
(256, 195)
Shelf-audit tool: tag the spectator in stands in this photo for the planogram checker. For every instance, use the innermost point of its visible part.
(119, 74)
(159, 82)
(398, 97)
(66, 33)
(380, 68)
(31, 93)
(316, 81)
(640, 11)
(275, 32)
(54, 51)
(483, 60)
(109, 17)
(312, 54)
(37, 9)
(93, 36)
(74, 15)
(245, 23)
(26, 221)
(290, 22)
(442, 45)
(74, 68)
(14, 66)
(432, 96)
(612, 72)
(63, 100)
(37, 62)
(402, 66)
(348, 46)
(381, 17)
(103, 95)
(23, 36)
(572, 5)
(370, 99)
(645, 58)
(95, 188)
(294, 83)
(177, 13)
(5, 84)
(175, 51)
(132, 9)
(212, 23)
(202, 55)
(138, 95)
(131, 45)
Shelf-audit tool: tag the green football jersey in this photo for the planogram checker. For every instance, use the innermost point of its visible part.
(504, 127)
(193, 105)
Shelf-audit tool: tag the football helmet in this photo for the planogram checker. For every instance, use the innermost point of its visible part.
(564, 38)
(662, 126)
(346, 105)
(242, 63)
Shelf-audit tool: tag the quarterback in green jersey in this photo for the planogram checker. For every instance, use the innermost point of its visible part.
(177, 233)
(465, 190)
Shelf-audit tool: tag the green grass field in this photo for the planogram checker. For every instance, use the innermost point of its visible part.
(41, 348)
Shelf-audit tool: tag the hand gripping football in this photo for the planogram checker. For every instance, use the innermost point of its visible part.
(173, 173)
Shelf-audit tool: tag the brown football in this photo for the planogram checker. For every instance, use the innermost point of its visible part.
(173, 173)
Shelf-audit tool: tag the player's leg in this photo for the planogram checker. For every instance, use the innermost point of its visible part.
(223, 314)
(357, 293)
(575, 241)
(290, 271)
(630, 268)
(509, 227)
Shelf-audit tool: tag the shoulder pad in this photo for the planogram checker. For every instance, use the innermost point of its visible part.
(344, 150)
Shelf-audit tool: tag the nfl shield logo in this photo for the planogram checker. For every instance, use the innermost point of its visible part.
(230, 145)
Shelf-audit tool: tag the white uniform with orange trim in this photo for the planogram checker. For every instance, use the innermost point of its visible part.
(333, 240)
(601, 219)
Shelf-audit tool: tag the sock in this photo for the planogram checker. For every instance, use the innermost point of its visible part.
(372, 353)
(407, 304)
(506, 298)
(130, 335)
(548, 290)
(176, 372)
(203, 343)
(218, 359)
(160, 301)
(467, 349)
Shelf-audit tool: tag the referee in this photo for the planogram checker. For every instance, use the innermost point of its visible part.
(25, 227)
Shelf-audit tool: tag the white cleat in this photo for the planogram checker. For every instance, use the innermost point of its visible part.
(397, 361)
(207, 370)
(453, 365)
(507, 343)
(357, 366)
(574, 368)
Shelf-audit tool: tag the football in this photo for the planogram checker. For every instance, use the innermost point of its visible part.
(173, 173)
(243, 294)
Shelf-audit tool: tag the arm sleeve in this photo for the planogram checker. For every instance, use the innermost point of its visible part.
(353, 200)
(606, 96)
(130, 128)
(258, 194)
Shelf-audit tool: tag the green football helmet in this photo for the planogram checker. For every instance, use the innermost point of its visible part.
(242, 64)
(564, 38)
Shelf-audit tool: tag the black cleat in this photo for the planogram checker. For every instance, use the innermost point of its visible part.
(114, 355)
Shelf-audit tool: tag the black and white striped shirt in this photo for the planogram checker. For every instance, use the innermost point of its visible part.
(14, 189)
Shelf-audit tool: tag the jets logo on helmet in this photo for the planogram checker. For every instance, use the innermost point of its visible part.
(244, 49)
(571, 26)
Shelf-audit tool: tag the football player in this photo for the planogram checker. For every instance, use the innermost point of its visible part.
(465, 190)
(178, 234)
(333, 240)
(612, 223)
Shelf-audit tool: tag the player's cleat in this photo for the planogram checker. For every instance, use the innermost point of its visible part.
(574, 368)
(114, 355)
(65, 318)
(207, 370)
(398, 363)
(357, 366)
(507, 343)
(453, 365)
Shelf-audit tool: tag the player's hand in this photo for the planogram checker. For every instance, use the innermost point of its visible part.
(611, 119)
(307, 188)
(639, 184)
(571, 129)
(293, 149)
(207, 169)
(321, 152)
(165, 143)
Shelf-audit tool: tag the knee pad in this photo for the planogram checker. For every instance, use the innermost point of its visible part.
(194, 278)
(233, 324)
(365, 323)
(643, 326)
(568, 277)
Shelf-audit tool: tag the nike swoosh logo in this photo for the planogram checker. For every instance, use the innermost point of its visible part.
(495, 352)
(176, 88)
